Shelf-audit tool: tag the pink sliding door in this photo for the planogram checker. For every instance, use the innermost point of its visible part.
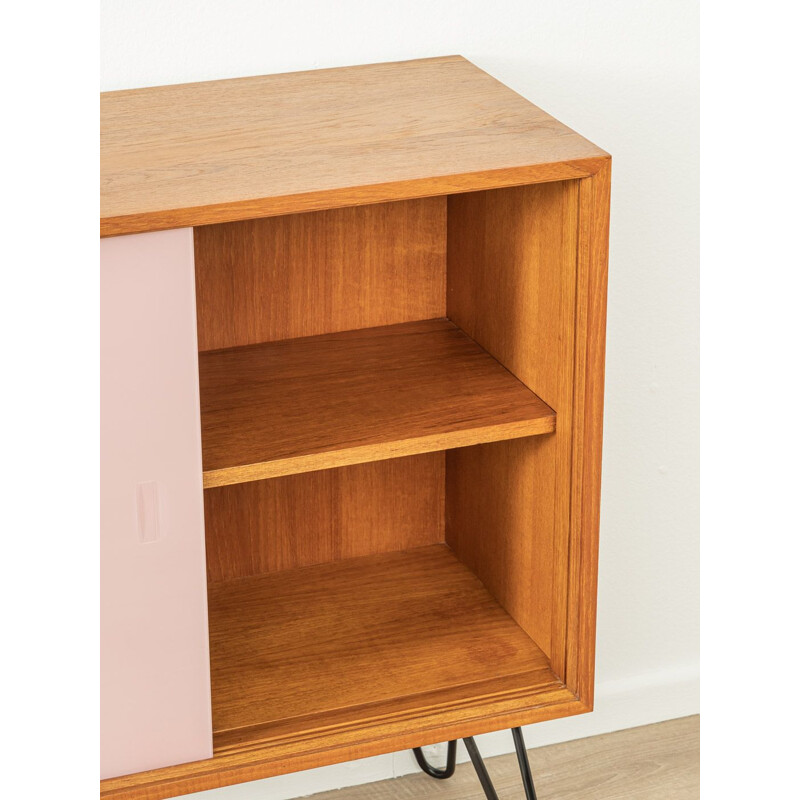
(155, 689)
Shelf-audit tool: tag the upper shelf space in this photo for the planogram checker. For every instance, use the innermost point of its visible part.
(345, 398)
(195, 154)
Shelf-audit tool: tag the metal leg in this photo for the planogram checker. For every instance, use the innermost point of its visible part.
(435, 772)
(480, 767)
(524, 764)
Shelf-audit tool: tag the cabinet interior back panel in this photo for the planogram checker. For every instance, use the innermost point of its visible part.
(265, 280)
(299, 520)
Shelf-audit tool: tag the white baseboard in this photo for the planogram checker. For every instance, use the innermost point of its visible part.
(619, 704)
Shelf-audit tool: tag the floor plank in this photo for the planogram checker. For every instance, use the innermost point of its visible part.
(647, 763)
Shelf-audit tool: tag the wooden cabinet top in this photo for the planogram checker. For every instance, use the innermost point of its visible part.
(201, 153)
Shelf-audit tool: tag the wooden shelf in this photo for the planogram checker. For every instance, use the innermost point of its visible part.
(327, 401)
(342, 643)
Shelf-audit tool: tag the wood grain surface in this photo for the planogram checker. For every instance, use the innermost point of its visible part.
(294, 745)
(299, 520)
(651, 762)
(299, 744)
(524, 232)
(587, 445)
(305, 274)
(360, 633)
(195, 154)
(327, 401)
(512, 274)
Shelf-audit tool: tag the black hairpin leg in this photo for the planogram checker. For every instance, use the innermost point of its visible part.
(435, 772)
(524, 764)
(480, 767)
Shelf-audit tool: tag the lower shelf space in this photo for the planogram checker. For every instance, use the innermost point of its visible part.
(346, 643)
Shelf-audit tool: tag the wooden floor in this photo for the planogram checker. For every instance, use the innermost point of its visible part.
(648, 763)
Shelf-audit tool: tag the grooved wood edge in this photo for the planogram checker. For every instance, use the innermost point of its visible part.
(384, 737)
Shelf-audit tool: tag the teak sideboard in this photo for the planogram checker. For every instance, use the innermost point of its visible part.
(353, 333)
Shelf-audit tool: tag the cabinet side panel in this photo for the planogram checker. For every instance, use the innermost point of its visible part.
(511, 286)
(595, 199)
(264, 280)
(155, 687)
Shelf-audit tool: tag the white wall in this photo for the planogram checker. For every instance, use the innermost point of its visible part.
(624, 74)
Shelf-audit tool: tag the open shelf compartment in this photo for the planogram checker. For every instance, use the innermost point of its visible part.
(383, 634)
(386, 510)
(326, 401)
